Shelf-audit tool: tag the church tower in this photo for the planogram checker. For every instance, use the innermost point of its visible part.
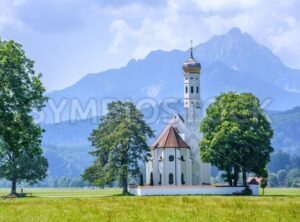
(192, 108)
(174, 162)
(191, 69)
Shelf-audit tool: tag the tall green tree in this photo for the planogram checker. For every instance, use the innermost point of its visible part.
(21, 93)
(120, 144)
(236, 136)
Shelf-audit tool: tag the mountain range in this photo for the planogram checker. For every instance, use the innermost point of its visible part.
(230, 62)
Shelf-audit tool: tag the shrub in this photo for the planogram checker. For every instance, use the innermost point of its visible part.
(245, 192)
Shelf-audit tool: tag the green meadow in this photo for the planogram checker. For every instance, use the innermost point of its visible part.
(109, 205)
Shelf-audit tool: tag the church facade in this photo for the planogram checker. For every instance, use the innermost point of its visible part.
(175, 158)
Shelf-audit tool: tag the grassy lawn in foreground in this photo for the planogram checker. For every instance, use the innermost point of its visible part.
(66, 192)
(281, 205)
(282, 192)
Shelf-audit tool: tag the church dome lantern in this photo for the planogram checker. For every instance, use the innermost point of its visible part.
(191, 65)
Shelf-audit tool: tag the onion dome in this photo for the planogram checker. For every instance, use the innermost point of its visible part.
(191, 65)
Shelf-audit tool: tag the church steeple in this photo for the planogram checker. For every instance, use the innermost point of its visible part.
(192, 70)
(192, 56)
(191, 65)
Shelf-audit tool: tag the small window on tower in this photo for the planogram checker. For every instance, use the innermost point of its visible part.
(171, 178)
(192, 89)
(197, 89)
(186, 89)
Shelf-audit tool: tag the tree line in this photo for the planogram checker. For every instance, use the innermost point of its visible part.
(284, 170)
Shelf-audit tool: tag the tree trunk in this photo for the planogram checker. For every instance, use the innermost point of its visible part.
(229, 178)
(125, 186)
(13, 186)
(124, 176)
(235, 176)
(244, 177)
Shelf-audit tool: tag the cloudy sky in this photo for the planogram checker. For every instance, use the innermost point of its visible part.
(70, 38)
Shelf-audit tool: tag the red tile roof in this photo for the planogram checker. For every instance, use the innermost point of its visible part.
(253, 180)
(171, 139)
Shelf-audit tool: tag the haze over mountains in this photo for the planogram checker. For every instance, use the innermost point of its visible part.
(233, 61)
(230, 62)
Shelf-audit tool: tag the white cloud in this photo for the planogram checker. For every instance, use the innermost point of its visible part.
(286, 44)
(223, 5)
(121, 31)
(158, 29)
(273, 23)
(96, 35)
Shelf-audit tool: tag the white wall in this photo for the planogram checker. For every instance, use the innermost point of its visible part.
(162, 165)
(190, 190)
(198, 172)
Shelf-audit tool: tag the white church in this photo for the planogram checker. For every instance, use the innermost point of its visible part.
(175, 158)
(174, 167)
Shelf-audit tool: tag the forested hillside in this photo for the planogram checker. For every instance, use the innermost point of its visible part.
(286, 126)
(67, 147)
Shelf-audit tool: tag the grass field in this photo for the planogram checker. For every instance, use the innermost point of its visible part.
(107, 205)
(66, 193)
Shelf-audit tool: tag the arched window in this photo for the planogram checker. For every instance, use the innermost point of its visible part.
(171, 178)
(192, 89)
(197, 89)
(182, 179)
(160, 179)
(171, 158)
(151, 179)
(186, 89)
